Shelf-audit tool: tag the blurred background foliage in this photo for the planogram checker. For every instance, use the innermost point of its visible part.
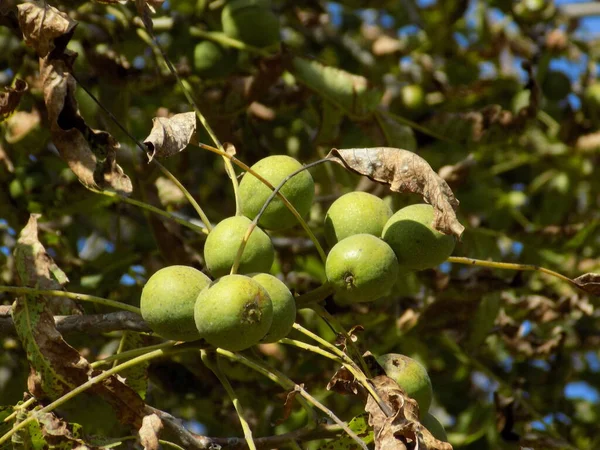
(500, 97)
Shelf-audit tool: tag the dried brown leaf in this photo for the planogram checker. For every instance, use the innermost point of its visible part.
(36, 268)
(589, 282)
(44, 27)
(343, 382)
(405, 171)
(91, 154)
(10, 98)
(56, 367)
(59, 434)
(287, 406)
(402, 430)
(151, 427)
(171, 135)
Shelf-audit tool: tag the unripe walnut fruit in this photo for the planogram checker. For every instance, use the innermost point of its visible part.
(212, 60)
(298, 190)
(284, 306)
(251, 21)
(235, 312)
(223, 242)
(355, 213)
(361, 268)
(167, 302)
(411, 376)
(416, 243)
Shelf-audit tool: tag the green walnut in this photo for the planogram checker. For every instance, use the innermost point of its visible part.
(168, 300)
(355, 213)
(251, 21)
(361, 268)
(223, 243)
(416, 243)
(411, 376)
(435, 427)
(298, 190)
(413, 96)
(284, 306)
(556, 85)
(213, 61)
(234, 313)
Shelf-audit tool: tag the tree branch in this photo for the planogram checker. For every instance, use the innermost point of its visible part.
(88, 323)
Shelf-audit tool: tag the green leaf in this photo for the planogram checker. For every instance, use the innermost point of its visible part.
(352, 93)
(397, 134)
(136, 377)
(484, 319)
(360, 426)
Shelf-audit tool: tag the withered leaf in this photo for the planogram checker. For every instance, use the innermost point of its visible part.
(60, 434)
(402, 430)
(171, 135)
(343, 382)
(405, 171)
(91, 154)
(589, 282)
(287, 406)
(151, 427)
(56, 367)
(44, 27)
(36, 268)
(10, 98)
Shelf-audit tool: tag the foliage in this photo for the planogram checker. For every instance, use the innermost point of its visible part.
(91, 205)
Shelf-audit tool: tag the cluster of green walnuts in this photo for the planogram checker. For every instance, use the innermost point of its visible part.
(370, 248)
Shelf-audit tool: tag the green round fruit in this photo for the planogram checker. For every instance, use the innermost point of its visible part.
(224, 240)
(435, 427)
(411, 376)
(168, 299)
(361, 268)
(212, 61)
(299, 190)
(284, 306)
(355, 213)
(417, 245)
(413, 96)
(556, 85)
(592, 94)
(233, 313)
(251, 21)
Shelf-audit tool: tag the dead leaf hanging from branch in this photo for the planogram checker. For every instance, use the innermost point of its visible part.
(171, 135)
(402, 430)
(10, 98)
(405, 171)
(90, 154)
(589, 282)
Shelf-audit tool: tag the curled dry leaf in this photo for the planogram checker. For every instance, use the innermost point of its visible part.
(151, 427)
(60, 434)
(171, 135)
(45, 28)
(589, 282)
(90, 154)
(343, 382)
(402, 430)
(405, 171)
(10, 98)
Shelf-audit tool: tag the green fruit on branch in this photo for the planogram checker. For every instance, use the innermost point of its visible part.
(416, 243)
(298, 190)
(435, 427)
(413, 96)
(223, 242)
(251, 21)
(355, 213)
(284, 306)
(411, 376)
(361, 268)
(212, 60)
(556, 85)
(234, 313)
(168, 299)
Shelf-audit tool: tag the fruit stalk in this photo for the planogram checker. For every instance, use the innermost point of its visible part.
(216, 369)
